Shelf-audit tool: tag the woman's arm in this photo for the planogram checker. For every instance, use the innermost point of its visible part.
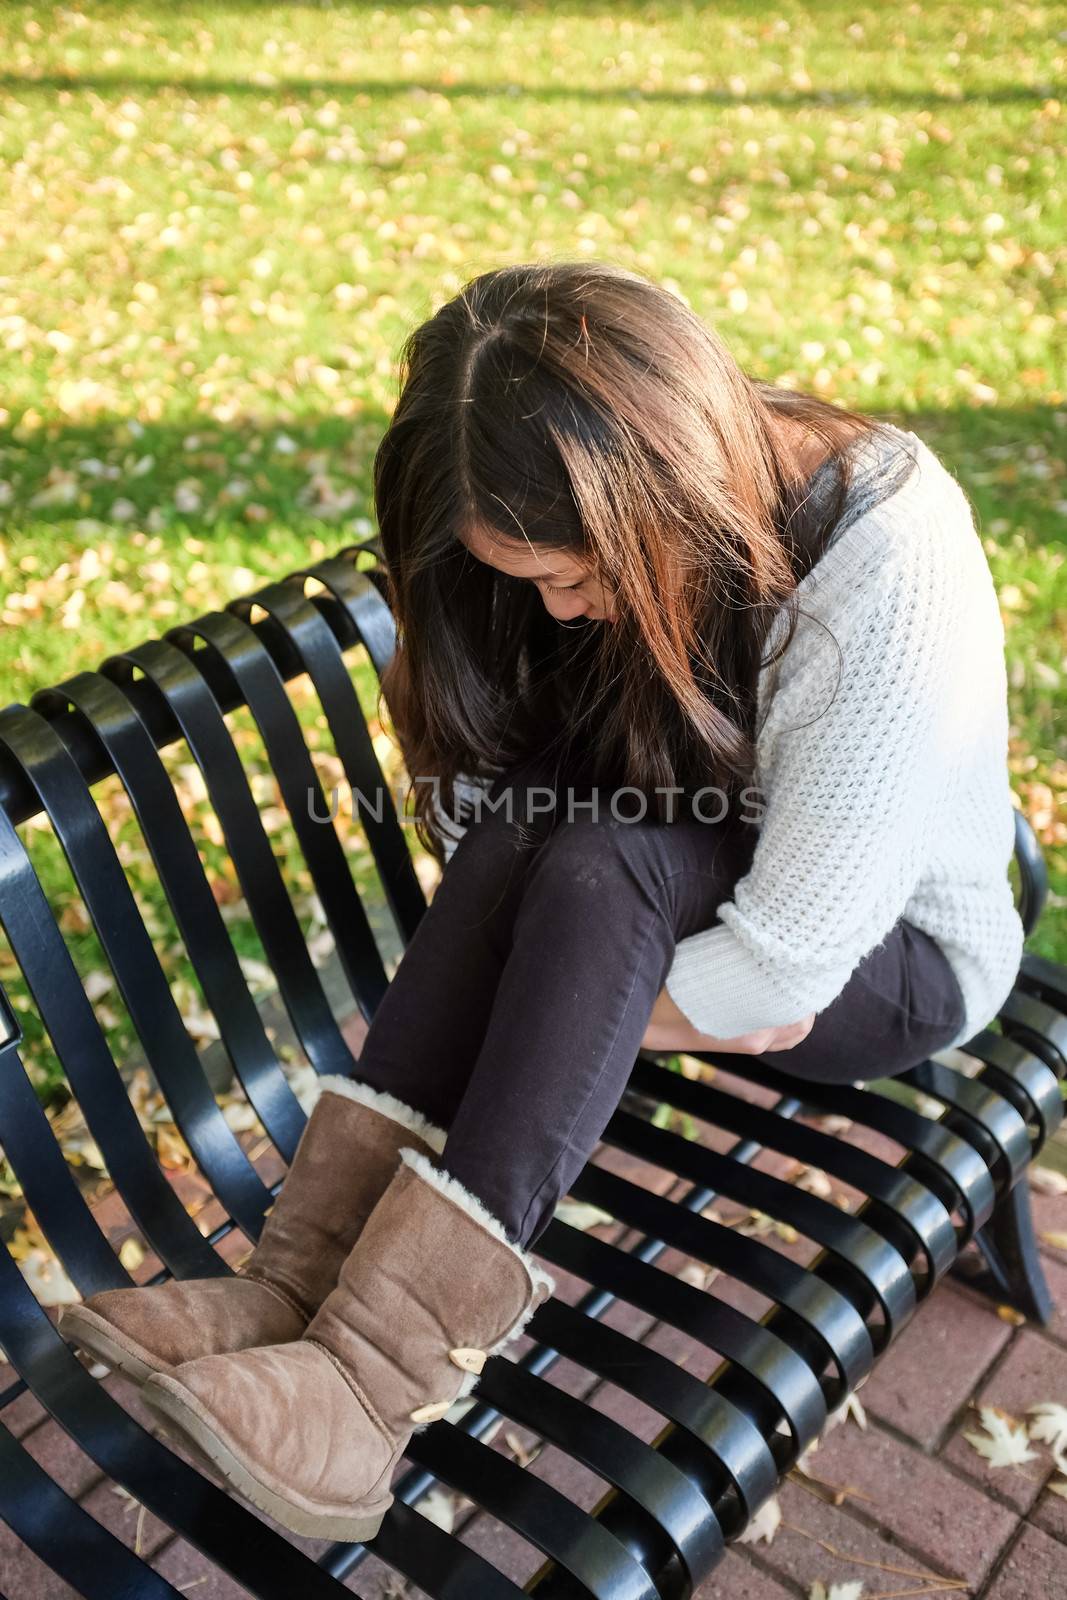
(668, 1029)
(849, 794)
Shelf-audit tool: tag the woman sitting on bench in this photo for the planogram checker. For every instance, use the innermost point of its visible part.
(719, 667)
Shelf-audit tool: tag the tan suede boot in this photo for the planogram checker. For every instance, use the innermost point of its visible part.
(310, 1432)
(345, 1158)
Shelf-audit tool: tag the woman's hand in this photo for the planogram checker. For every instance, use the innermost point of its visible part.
(670, 1029)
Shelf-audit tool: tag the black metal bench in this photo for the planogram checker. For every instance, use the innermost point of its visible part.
(964, 1142)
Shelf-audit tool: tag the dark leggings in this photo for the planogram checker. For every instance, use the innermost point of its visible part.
(516, 1013)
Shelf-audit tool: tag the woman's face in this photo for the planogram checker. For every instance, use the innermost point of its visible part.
(566, 585)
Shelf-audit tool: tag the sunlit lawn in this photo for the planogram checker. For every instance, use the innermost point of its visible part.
(218, 223)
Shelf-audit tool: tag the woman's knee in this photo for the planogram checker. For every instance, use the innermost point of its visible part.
(584, 853)
(684, 868)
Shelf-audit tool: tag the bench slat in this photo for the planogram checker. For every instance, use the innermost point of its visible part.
(66, 1538)
(107, 709)
(80, 1046)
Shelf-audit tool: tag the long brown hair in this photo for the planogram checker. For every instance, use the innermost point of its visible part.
(582, 408)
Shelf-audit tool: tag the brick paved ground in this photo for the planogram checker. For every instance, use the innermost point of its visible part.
(912, 1496)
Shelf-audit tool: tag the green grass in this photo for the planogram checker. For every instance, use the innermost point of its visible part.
(220, 221)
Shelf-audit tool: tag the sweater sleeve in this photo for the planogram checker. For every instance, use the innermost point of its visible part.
(854, 755)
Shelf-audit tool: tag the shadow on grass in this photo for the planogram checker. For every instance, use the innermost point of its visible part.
(385, 88)
(314, 476)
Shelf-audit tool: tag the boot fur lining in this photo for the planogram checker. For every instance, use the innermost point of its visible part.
(387, 1104)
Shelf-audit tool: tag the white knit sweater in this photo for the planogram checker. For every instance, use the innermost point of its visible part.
(889, 798)
(885, 794)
